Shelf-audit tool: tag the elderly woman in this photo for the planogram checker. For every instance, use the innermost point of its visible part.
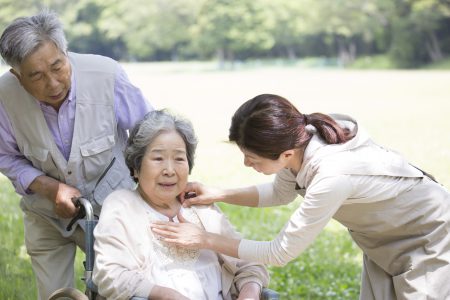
(131, 260)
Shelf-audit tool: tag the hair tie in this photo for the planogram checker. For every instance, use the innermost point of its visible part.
(310, 129)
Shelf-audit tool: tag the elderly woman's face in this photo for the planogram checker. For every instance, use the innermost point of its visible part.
(164, 169)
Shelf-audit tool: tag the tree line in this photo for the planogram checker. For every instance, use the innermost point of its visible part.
(410, 32)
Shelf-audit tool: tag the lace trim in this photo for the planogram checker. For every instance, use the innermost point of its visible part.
(170, 254)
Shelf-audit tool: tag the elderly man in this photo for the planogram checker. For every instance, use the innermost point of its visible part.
(63, 125)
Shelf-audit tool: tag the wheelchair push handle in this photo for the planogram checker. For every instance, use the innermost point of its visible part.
(86, 211)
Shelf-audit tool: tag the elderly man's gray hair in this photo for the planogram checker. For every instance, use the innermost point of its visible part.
(150, 127)
(26, 34)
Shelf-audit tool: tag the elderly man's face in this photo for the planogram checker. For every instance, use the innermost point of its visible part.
(164, 169)
(45, 74)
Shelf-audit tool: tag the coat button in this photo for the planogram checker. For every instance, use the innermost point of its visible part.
(70, 172)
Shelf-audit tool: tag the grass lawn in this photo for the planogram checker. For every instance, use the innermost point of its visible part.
(404, 110)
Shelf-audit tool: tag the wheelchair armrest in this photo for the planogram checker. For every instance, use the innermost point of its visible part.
(268, 294)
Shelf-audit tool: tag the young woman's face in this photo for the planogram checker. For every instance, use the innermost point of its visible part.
(261, 164)
(164, 169)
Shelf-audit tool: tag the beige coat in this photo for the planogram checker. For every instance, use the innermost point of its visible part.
(398, 217)
(123, 243)
(405, 238)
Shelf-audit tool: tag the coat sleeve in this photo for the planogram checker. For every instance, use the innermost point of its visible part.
(323, 198)
(279, 192)
(120, 268)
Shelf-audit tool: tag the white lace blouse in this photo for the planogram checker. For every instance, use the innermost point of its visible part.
(129, 260)
(194, 273)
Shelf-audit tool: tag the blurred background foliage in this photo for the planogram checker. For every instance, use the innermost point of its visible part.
(399, 33)
(359, 34)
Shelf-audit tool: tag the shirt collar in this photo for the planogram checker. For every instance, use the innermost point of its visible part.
(73, 87)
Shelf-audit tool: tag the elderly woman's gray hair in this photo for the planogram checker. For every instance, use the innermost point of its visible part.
(151, 126)
(26, 34)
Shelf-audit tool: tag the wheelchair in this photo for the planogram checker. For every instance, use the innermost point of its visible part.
(86, 212)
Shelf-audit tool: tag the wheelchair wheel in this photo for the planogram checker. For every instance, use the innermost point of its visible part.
(68, 293)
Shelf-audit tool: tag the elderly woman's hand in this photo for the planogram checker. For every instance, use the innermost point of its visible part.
(197, 193)
(184, 234)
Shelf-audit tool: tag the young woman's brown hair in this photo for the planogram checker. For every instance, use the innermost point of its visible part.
(268, 125)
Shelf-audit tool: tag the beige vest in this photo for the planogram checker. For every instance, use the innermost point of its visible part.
(96, 144)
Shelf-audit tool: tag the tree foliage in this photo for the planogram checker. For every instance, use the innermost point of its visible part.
(411, 32)
(417, 28)
(228, 27)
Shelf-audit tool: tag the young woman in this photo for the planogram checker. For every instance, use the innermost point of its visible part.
(131, 261)
(397, 214)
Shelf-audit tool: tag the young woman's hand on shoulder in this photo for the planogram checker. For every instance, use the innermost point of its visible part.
(197, 193)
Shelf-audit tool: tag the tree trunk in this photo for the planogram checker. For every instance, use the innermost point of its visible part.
(221, 57)
(174, 54)
(290, 51)
(230, 57)
(347, 53)
(433, 47)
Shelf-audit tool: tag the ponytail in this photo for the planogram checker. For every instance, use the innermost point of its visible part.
(328, 129)
(268, 125)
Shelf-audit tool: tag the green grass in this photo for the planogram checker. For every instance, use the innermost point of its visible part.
(384, 62)
(329, 268)
(16, 276)
(441, 65)
(404, 110)
(379, 62)
(15, 268)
